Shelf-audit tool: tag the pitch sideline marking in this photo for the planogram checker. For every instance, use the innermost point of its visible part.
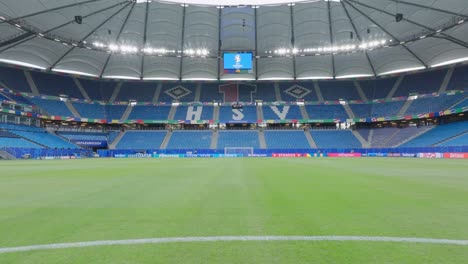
(233, 238)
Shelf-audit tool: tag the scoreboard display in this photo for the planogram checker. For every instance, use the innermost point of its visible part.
(238, 62)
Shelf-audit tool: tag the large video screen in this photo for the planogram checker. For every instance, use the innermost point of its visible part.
(237, 62)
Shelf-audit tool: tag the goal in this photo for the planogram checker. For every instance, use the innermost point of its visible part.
(241, 151)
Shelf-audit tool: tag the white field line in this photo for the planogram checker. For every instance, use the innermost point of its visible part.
(233, 238)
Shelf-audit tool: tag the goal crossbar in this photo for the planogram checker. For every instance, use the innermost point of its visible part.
(245, 151)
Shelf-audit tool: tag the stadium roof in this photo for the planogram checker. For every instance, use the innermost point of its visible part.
(155, 40)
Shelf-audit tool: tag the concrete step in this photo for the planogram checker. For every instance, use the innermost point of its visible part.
(117, 140)
(261, 139)
(214, 139)
(310, 139)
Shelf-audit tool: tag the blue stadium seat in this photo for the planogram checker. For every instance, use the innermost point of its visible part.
(459, 80)
(190, 140)
(9, 126)
(272, 112)
(462, 104)
(52, 107)
(14, 79)
(150, 112)
(6, 134)
(46, 139)
(18, 98)
(94, 110)
(139, 91)
(247, 92)
(3, 98)
(183, 92)
(391, 137)
(112, 135)
(115, 111)
(433, 104)
(38, 135)
(141, 140)
(53, 84)
(364, 132)
(378, 88)
(265, 92)
(438, 134)
(291, 92)
(404, 134)
(182, 111)
(335, 139)
(386, 109)
(362, 110)
(381, 136)
(247, 113)
(458, 141)
(98, 90)
(17, 143)
(230, 138)
(421, 83)
(94, 136)
(335, 90)
(210, 93)
(326, 112)
(286, 139)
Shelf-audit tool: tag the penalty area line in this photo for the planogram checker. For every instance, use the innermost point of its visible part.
(233, 238)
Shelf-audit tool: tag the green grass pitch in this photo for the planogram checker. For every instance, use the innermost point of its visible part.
(44, 202)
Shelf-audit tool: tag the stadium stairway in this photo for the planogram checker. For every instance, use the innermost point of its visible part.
(216, 112)
(277, 92)
(371, 136)
(335, 139)
(392, 136)
(310, 139)
(72, 109)
(363, 141)
(457, 103)
(32, 141)
(395, 87)
(116, 92)
(261, 139)
(348, 111)
(360, 91)
(81, 89)
(318, 92)
(62, 137)
(404, 108)
(304, 113)
(157, 93)
(31, 83)
(197, 93)
(424, 131)
(117, 139)
(6, 96)
(446, 81)
(166, 139)
(214, 139)
(4, 85)
(5, 155)
(127, 112)
(450, 138)
(172, 113)
(259, 112)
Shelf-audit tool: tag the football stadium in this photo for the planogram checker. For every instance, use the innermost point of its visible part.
(233, 131)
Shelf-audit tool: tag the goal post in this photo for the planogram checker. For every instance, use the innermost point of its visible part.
(244, 151)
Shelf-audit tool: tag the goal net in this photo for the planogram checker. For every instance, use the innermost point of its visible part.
(241, 151)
